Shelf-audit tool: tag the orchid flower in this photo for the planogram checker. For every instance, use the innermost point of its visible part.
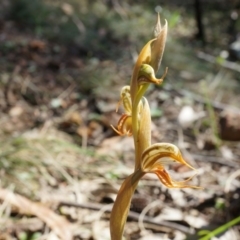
(136, 121)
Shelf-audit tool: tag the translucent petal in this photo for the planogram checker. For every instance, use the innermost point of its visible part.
(124, 126)
(126, 99)
(144, 133)
(158, 27)
(143, 137)
(158, 46)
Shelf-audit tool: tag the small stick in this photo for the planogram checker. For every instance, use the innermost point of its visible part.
(132, 215)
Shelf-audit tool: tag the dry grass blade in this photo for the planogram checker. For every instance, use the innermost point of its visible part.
(57, 223)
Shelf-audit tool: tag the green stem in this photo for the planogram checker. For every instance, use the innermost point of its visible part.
(221, 229)
(122, 204)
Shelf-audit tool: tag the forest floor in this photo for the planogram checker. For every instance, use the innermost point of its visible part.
(61, 164)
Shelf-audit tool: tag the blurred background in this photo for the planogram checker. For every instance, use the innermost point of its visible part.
(62, 66)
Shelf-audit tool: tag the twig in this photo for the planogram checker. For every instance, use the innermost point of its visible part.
(81, 27)
(230, 180)
(227, 64)
(172, 225)
(132, 215)
(217, 160)
(144, 212)
(25, 224)
(198, 98)
(67, 91)
(57, 223)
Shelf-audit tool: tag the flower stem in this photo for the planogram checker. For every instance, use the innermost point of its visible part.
(122, 204)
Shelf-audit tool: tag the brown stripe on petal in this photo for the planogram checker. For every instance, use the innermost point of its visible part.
(148, 163)
(164, 177)
(161, 147)
(161, 150)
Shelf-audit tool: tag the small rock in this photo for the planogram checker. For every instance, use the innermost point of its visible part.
(139, 202)
(37, 44)
(227, 153)
(16, 111)
(229, 124)
(187, 116)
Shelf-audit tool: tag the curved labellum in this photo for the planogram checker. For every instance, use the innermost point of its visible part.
(167, 181)
(124, 126)
(147, 75)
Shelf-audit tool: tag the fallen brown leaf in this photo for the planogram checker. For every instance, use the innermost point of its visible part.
(57, 223)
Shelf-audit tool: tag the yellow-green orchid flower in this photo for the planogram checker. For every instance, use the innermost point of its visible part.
(153, 159)
(144, 72)
(146, 75)
(124, 126)
(151, 54)
(136, 121)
